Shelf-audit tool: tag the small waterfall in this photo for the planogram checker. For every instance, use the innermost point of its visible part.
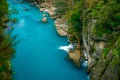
(85, 54)
(70, 47)
(66, 48)
(46, 11)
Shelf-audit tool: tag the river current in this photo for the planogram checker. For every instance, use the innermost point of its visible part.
(38, 54)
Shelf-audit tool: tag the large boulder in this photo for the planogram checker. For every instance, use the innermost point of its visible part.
(44, 19)
(75, 56)
(61, 27)
(42, 9)
(52, 12)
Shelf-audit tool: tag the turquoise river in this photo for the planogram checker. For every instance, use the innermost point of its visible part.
(38, 56)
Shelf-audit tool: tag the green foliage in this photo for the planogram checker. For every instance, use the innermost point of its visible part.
(94, 13)
(3, 10)
(6, 45)
(75, 21)
(105, 51)
(98, 31)
(73, 15)
(2, 69)
(106, 13)
(97, 8)
(116, 50)
(109, 15)
(62, 6)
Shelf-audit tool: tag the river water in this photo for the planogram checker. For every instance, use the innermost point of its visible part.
(38, 56)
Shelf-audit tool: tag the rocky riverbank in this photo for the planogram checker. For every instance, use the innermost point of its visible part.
(61, 27)
(60, 24)
(95, 29)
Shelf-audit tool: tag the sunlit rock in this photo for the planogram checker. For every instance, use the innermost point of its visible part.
(42, 9)
(75, 57)
(44, 19)
(61, 27)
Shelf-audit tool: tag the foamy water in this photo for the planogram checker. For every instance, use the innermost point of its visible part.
(85, 63)
(66, 48)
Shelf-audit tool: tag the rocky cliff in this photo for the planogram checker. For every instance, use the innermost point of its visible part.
(94, 25)
(100, 36)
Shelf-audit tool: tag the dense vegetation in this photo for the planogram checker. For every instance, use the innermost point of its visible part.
(6, 44)
(101, 22)
(79, 12)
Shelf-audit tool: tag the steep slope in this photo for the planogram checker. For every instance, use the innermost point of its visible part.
(94, 25)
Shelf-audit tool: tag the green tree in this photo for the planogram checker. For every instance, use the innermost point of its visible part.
(6, 45)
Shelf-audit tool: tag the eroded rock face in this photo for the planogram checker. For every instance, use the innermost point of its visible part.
(49, 9)
(100, 67)
(52, 12)
(105, 69)
(61, 27)
(75, 57)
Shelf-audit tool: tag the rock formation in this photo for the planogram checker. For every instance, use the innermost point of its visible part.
(44, 19)
(61, 27)
(75, 57)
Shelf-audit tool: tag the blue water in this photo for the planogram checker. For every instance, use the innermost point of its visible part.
(38, 56)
